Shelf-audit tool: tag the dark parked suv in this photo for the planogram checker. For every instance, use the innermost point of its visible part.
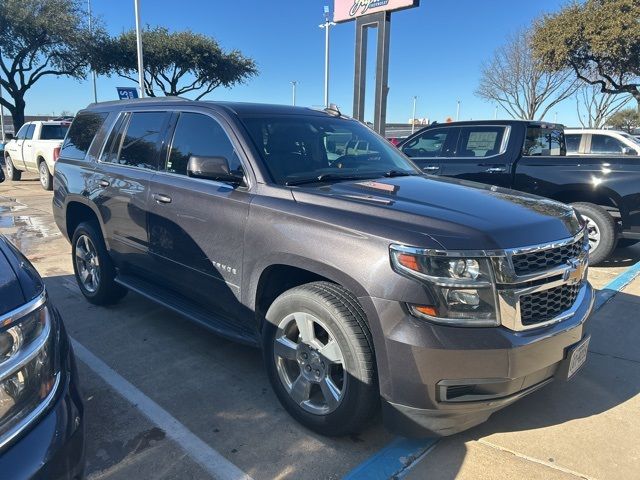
(363, 280)
(41, 412)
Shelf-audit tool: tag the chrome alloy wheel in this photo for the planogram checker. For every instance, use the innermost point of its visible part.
(87, 264)
(44, 174)
(593, 231)
(310, 363)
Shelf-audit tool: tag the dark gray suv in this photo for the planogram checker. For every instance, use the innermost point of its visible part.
(303, 232)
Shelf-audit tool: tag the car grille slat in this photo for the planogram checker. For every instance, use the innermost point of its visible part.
(543, 306)
(528, 263)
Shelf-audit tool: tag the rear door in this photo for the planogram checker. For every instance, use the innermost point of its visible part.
(196, 226)
(29, 147)
(128, 162)
(480, 155)
(427, 148)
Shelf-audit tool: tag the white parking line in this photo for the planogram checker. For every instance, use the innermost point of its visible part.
(208, 458)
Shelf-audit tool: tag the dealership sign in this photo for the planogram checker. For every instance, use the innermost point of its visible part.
(345, 10)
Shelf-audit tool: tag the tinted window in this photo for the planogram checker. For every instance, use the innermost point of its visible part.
(298, 148)
(22, 132)
(81, 133)
(139, 147)
(605, 144)
(199, 135)
(29, 134)
(480, 141)
(53, 132)
(573, 142)
(432, 143)
(544, 142)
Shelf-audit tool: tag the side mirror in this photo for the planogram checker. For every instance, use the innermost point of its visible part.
(212, 168)
(8, 136)
(629, 151)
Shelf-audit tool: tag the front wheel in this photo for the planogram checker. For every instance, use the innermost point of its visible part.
(93, 267)
(601, 229)
(46, 180)
(12, 173)
(320, 360)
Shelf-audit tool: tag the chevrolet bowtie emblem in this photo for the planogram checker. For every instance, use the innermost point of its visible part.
(573, 273)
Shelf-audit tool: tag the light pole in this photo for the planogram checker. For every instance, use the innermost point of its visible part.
(555, 117)
(139, 46)
(1, 115)
(294, 83)
(326, 25)
(495, 113)
(413, 116)
(458, 111)
(93, 72)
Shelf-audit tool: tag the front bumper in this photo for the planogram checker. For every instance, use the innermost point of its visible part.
(440, 380)
(52, 447)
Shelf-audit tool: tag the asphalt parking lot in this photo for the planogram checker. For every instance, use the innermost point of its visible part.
(167, 399)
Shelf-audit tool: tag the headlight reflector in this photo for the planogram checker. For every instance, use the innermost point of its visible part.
(462, 288)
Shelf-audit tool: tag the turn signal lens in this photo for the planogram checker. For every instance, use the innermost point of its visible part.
(431, 311)
(408, 261)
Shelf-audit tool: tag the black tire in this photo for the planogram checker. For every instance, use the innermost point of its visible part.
(46, 180)
(12, 173)
(626, 242)
(604, 225)
(106, 291)
(345, 322)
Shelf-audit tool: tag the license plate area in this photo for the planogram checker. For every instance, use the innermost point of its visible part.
(577, 355)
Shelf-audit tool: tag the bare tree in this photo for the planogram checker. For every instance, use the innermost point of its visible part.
(517, 81)
(595, 107)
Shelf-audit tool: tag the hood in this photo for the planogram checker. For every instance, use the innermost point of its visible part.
(458, 214)
(19, 281)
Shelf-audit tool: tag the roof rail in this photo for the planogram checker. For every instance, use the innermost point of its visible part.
(168, 98)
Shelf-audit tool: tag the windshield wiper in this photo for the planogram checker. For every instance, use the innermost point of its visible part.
(325, 177)
(399, 173)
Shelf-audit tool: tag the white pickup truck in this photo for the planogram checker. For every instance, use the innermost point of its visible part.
(35, 148)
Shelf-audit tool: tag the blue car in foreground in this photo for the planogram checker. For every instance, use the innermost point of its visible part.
(41, 411)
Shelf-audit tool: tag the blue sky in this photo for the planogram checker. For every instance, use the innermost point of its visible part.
(436, 53)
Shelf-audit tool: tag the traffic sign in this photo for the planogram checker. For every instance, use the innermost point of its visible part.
(127, 93)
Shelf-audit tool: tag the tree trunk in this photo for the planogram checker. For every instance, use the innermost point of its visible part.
(17, 113)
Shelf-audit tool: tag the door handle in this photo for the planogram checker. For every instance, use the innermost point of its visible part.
(431, 168)
(104, 183)
(496, 170)
(161, 198)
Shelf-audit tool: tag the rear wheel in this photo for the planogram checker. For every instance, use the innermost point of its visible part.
(93, 267)
(601, 228)
(12, 173)
(319, 358)
(46, 180)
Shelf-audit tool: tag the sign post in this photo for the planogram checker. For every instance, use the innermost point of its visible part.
(371, 14)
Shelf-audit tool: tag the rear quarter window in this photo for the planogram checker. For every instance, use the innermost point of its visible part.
(81, 134)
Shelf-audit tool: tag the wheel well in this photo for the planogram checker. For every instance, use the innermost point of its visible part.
(597, 198)
(78, 213)
(39, 160)
(276, 280)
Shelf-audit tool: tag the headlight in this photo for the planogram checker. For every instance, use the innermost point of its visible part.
(27, 366)
(462, 287)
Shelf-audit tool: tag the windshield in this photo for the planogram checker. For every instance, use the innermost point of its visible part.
(303, 149)
(53, 132)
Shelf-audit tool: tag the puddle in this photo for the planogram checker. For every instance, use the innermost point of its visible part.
(25, 231)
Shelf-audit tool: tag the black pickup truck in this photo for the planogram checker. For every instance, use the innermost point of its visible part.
(531, 157)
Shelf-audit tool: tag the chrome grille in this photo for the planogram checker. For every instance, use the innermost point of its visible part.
(528, 263)
(546, 305)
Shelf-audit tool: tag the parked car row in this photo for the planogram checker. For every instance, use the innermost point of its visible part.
(365, 282)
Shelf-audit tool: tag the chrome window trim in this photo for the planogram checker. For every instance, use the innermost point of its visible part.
(503, 145)
(29, 419)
